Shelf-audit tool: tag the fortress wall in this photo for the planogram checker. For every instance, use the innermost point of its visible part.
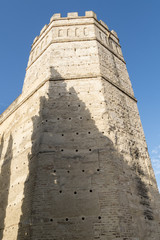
(16, 150)
(76, 60)
(77, 167)
(112, 64)
(38, 72)
(114, 69)
(88, 144)
(74, 161)
(123, 127)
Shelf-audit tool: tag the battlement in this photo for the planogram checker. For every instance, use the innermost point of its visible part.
(74, 28)
(74, 15)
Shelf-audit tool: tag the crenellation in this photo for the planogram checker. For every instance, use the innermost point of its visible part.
(104, 24)
(36, 38)
(90, 14)
(55, 16)
(72, 15)
(43, 29)
(114, 33)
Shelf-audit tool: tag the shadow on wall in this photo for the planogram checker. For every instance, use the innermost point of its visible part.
(1, 145)
(78, 181)
(5, 181)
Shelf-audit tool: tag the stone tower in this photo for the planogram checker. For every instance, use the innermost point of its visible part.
(73, 157)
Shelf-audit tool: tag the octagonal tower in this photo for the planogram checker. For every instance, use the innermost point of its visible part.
(74, 160)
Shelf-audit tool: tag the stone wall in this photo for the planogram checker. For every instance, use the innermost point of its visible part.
(73, 157)
(16, 148)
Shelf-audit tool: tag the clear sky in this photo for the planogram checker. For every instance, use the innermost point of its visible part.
(137, 24)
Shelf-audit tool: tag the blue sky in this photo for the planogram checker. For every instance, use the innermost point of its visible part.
(137, 24)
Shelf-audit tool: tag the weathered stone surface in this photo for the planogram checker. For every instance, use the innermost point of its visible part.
(73, 157)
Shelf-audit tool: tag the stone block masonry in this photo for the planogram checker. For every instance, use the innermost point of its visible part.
(74, 162)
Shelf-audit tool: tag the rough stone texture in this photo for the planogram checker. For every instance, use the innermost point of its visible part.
(73, 157)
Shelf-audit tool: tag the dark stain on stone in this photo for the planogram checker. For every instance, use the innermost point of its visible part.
(140, 185)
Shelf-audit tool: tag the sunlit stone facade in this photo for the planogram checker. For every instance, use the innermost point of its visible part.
(74, 163)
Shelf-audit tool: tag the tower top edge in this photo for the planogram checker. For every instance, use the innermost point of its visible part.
(73, 15)
(70, 16)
